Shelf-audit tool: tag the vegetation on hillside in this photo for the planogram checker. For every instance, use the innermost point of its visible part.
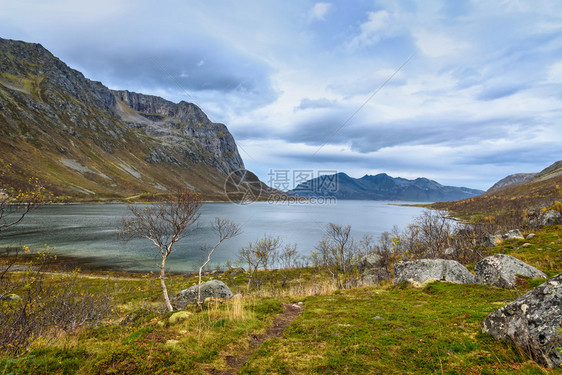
(511, 206)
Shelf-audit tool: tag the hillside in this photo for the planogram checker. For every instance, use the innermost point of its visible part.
(380, 187)
(513, 179)
(513, 199)
(81, 139)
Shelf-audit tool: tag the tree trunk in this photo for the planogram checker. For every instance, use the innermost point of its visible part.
(163, 284)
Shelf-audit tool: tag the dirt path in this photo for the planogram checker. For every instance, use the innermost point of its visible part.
(290, 312)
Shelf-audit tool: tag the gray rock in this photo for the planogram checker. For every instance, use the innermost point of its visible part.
(9, 297)
(513, 234)
(530, 235)
(375, 275)
(550, 217)
(213, 288)
(370, 260)
(501, 270)
(450, 251)
(437, 269)
(533, 322)
(490, 240)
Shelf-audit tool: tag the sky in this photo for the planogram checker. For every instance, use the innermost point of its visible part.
(462, 92)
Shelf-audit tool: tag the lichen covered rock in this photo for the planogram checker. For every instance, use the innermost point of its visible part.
(436, 269)
(533, 322)
(213, 288)
(501, 270)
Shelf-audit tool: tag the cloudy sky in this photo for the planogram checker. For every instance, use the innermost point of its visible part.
(463, 92)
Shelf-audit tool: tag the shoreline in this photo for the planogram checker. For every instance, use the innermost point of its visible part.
(61, 264)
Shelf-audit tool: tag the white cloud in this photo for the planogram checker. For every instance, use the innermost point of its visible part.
(434, 44)
(555, 73)
(372, 30)
(319, 11)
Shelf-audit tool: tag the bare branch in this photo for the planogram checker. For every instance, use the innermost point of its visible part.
(225, 229)
(163, 224)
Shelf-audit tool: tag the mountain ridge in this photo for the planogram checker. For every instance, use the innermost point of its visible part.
(380, 187)
(84, 140)
(519, 199)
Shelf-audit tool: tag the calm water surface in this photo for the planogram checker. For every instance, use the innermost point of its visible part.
(92, 230)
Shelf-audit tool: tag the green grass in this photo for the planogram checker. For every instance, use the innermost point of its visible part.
(394, 331)
(369, 330)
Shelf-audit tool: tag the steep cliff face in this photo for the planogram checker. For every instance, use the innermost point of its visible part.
(82, 139)
(174, 123)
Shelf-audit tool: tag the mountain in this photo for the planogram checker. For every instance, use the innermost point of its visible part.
(553, 170)
(380, 187)
(513, 179)
(80, 138)
(519, 198)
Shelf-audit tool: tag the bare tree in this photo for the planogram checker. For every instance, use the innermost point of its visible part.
(289, 256)
(336, 252)
(259, 254)
(16, 203)
(427, 237)
(163, 224)
(225, 229)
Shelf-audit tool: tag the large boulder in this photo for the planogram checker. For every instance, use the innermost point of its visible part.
(436, 269)
(533, 322)
(370, 260)
(213, 288)
(373, 270)
(550, 217)
(502, 270)
(375, 275)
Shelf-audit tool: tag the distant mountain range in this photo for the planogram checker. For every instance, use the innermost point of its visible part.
(381, 187)
(80, 138)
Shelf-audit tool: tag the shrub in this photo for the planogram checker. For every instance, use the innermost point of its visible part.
(44, 311)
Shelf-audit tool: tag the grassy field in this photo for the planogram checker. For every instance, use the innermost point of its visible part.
(382, 329)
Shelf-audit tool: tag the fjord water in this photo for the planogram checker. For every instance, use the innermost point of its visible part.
(91, 231)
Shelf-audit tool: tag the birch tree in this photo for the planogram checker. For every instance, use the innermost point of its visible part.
(164, 224)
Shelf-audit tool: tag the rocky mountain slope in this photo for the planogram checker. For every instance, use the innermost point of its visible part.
(519, 199)
(513, 179)
(84, 140)
(381, 187)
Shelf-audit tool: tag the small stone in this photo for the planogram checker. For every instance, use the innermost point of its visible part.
(514, 234)
(530, 235)
(450, 251)
(10, 297)
(179, 316)
(172, 342)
